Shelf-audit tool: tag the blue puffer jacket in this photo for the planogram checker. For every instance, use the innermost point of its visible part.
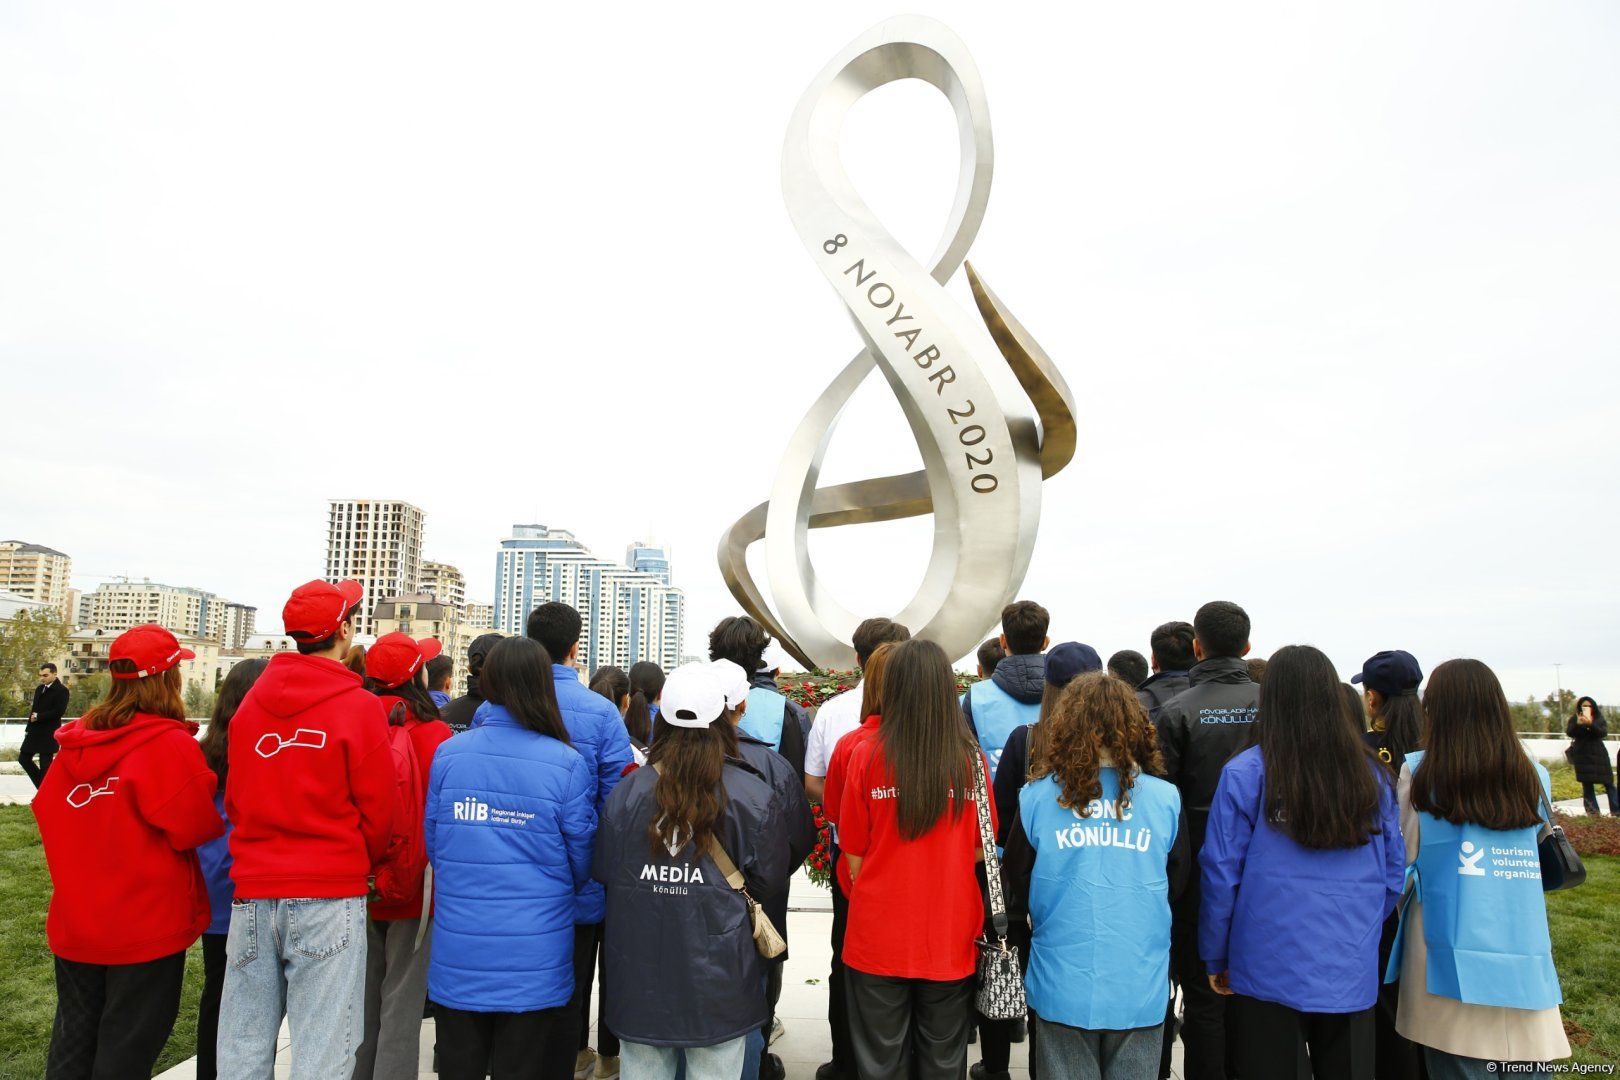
(1292, 925)
(596, 730)
(509, 826)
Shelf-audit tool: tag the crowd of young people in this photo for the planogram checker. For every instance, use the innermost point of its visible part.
(1329, 882)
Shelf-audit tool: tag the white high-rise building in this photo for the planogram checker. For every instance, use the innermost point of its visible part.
(377, 542)
(239, 625)
(117, 606)
(36, 572)
(627, 615)
(446, 583)
(480, 616)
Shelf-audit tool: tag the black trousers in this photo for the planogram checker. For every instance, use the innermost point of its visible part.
(507, 1046)
(1397, 1058)
(908, 1027)
(1204, 1022)
(1266, 1038)
(587, 943)
(843, 1051)
(213, 951)
(1169, 1036)
(39, 740)
(773, 994)
(113, 1019)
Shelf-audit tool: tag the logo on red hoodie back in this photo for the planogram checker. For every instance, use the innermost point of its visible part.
(270, 744)
(80, 797)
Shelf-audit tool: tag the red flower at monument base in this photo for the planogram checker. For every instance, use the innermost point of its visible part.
(818, 867)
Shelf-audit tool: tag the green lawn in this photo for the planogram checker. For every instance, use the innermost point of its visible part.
(1587, 952)
(1564, 784)
(27, 983)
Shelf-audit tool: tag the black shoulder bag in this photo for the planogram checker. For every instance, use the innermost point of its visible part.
(1561, 867)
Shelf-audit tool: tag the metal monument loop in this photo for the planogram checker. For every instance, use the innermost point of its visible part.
(984, 453)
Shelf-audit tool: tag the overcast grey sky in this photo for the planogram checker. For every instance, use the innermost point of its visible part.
(1336, 287)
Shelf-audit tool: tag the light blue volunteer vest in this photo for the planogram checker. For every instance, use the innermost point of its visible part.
(1484, 915)
(763, 717)
(995, 714)
(1099, 902)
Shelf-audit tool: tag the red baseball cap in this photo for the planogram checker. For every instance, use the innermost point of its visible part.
(316, 609)
(150, 648)
(394, 660)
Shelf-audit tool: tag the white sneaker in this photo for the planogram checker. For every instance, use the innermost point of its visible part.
(776, 1030)
(584, 1061)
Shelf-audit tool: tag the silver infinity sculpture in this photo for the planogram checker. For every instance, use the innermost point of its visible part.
(986, 442)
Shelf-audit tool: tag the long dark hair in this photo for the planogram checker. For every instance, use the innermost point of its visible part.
(1474, 769)
(646, 684)
(1597, 713)
(413, 692)
(215, 742)
(517, 677)
(925, 744)
(688, 793)
(1321, 790)
(1401, 717)
(1355, 708)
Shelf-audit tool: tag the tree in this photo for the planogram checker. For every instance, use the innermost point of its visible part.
(30, 639)
(85, 692)
(199, 702)
(1528, 715)
(1560, 707)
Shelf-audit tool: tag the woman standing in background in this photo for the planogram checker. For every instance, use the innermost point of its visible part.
(1590, 754)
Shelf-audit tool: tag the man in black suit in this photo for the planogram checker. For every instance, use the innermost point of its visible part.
(44, 717)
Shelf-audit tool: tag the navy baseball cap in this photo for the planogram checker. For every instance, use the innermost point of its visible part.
(481, 645)
(1393, 671)
(1065, 661)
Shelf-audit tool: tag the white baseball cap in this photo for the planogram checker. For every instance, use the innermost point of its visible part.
(693, 697)
(732, 679)
(774, 659)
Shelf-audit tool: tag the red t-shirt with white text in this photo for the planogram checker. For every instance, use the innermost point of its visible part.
(915, 907)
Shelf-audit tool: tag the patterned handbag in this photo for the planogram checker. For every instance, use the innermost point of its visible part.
(1001, 983)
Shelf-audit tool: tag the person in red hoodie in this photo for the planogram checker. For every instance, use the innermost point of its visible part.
(397, 945)
(121, 813)
(310, 794)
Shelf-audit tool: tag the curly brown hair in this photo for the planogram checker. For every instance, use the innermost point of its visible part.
(1096, 716)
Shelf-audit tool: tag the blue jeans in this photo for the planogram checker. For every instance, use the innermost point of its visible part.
(1444, 1066)
(1589, 798)
(305, 959)
(723, 1061)
(1077, 1054)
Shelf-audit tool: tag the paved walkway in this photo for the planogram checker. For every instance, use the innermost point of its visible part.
(805, 1042)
